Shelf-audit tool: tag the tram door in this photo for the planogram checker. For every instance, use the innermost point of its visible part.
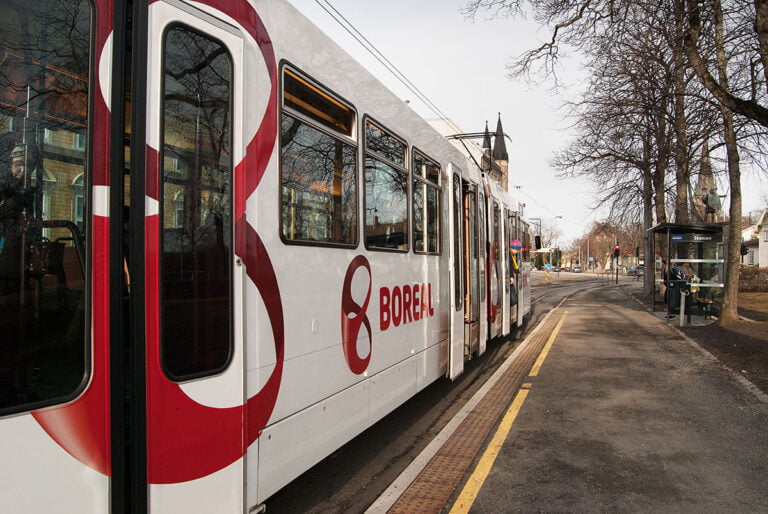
(471, 263)
(193, 282)
(456, 353)
(483, 265)
(495, 288)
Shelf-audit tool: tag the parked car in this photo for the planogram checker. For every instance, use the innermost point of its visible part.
(636, 271)
(577, 269)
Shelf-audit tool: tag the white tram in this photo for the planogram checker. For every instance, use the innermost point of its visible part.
(225, 250)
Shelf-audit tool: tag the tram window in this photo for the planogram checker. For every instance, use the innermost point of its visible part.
(196, 245)
(386, 190)
(426, 205)
(483, 242)
(303, 96)
(458, 209)
(383, 144)
(318, 183)
(44, 97)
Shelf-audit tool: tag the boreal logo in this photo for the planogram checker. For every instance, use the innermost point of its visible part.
(353, 316)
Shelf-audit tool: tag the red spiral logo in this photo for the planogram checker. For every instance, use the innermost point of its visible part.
(353, 316)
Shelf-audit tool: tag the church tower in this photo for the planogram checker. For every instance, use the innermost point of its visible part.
(500, 155)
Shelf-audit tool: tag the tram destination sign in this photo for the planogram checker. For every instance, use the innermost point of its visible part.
(697, 238)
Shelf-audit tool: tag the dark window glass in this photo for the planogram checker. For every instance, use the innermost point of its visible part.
(384, 145)
(386, 206)
(44, 79)
(426, 218)
(426, 205)
(483, 242)
(386, 190)
(319, 185)
(310, 100)
(426, 168)
(196, 196)
(458, 209)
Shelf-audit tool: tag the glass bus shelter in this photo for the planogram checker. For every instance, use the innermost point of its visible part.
(689, 259)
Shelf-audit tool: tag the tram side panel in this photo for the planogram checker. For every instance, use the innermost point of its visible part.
(365, 328)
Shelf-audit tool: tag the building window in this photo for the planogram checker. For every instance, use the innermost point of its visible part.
(78, 202)
(386, 190)
(426, 204)
(765, 236)
(318, 166)
(48, 136)
(78, 141)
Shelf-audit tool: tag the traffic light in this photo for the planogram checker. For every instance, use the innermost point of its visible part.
(616, 250)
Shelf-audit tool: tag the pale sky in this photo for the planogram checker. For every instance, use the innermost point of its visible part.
(459, 66)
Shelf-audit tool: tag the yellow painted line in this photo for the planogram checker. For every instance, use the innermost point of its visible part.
(527, 385)
(543, 355)
(472, 487)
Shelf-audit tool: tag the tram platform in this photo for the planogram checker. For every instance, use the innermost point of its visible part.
(603, 407)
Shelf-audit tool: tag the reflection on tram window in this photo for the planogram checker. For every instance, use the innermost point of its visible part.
(386, 190)
(458, 209)
(312, 101)
(385, 145)
(44, 70)
(426, 205)
(318, 184)
(386, 206)
(196, 239)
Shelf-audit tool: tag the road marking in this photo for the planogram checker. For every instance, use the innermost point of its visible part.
(475, 482)
(390, 496)
(543, 355)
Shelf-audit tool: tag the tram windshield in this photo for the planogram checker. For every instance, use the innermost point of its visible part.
(44, 71)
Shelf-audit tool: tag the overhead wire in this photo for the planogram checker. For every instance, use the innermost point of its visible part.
(379, 56)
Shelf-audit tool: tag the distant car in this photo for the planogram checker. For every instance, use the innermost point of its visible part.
(567, 268)
(636, 271)
(556, 269)
(577, 269)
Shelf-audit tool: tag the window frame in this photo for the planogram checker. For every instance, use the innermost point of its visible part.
(404, 168)
(426, 183)
(161, 208)
(351, 140)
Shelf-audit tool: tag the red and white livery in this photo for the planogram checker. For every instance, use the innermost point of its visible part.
(225, 250)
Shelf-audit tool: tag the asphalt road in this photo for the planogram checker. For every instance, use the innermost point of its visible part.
(353, 477)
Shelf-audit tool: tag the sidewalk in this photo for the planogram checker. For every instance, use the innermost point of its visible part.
(742, 347)
(627, 415)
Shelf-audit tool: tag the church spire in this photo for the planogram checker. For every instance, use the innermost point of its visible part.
(487, 138)
(499, 147)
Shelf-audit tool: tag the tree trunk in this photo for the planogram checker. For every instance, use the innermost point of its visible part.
(680, 123)
(647, 215)
(761, 28)
(729, 312)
